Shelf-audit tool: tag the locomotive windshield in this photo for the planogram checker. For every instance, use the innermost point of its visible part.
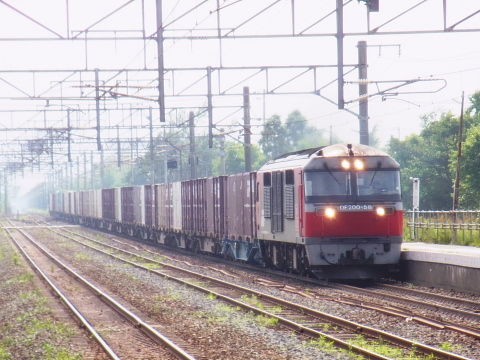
(377, 183)
(327, 183)
(381, 185)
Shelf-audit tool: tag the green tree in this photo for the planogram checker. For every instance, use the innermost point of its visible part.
(470, 185)
(274, 138)
(429, 157)
(474, 109)
(295, 134)
(409, 154)
(295, 128)
(235, 158)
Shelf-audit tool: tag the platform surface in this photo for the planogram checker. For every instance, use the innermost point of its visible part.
(466, 256)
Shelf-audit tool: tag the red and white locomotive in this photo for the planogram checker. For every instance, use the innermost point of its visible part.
(334, 211)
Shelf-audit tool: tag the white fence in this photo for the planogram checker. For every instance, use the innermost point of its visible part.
(460, 227)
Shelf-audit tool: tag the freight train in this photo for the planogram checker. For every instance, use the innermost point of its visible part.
(332, 211)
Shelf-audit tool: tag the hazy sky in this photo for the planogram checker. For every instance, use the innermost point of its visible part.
(454, 58)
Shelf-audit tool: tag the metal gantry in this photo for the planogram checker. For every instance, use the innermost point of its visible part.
(91, 100)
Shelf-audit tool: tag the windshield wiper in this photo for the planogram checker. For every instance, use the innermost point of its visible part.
(331, 174)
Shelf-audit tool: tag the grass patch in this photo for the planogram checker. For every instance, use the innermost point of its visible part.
(213, 318)
(38, 331)
(197, 283)
(227, 308)
(211, 296)
(25, 278)
(266, 321)
(327, 327)
(275, 309)
(447, 346)
(382, 348)
(252, 300)
(4, 353)
(82, 257)
(54, 353)
(170, 296)
(324, 344)
(27, 326)
(57, 329)
(16, 259)
(151, 265)
(222, 314)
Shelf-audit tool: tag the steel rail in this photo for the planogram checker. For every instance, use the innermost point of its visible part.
(464, 302)
(394, 297)
(98, 338)
(129, 315)
(356, 327)
(291, 324)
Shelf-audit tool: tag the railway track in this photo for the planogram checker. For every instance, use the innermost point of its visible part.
(444, 312)
(472, 307)
(465, 321)
(304, 320)
(107, 321)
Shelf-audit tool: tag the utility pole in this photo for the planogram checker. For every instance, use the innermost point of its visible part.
(363, 92)
(97, 110)
(66, 177)
(70, 175)
(192, 157)
(102, 170)
(159, 38)
(92, 171)
(209, 107)
(152, 146)
(456, 186)
(85, 171)
(51, 149)
(247, 129)
(69, 152)
(119, 155)
(78, 173)
(5, 192)
(222, 152)
(340, 35)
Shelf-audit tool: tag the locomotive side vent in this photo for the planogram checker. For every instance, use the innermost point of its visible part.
(289, 195)
(267, 202)
(289, 202)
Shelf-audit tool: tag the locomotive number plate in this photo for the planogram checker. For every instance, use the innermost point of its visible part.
(351, 207)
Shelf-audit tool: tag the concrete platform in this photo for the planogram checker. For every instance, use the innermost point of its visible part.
(445, 266)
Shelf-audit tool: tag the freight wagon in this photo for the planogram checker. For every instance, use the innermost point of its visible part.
(332, 211)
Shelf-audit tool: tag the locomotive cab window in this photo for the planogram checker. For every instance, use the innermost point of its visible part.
(289, 179)
(327, 183)
(378, 183)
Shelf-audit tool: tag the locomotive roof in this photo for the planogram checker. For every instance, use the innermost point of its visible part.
(302, 157)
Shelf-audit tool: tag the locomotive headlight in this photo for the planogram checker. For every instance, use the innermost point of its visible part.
(380, 211)
(358, 164)
(345, 164)
(330, 212)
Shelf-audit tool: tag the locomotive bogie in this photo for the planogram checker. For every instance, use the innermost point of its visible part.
(366, 251)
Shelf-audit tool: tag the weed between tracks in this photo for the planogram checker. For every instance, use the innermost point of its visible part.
(446, 346)
(379, 347)
(27, 328)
